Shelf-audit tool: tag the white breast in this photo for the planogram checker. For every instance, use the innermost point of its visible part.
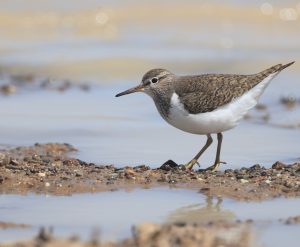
(219, 120)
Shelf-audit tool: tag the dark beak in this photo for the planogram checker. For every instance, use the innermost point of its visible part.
(138, 88)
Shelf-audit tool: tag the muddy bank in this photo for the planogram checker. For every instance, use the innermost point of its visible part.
(148, 234)
(11, 84)
(48, 168)
(5, 225)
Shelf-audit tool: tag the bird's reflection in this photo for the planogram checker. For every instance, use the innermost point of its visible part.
(204, 213)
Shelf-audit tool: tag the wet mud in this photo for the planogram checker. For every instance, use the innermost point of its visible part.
(49, 168)
(11, 84)
(6, 225)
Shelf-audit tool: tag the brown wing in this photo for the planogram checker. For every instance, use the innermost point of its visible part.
(205, 93)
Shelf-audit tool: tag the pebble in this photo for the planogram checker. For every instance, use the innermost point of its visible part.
(289, 184)
(8, 89)
(2, 156)
(78, 173)
(42, 174)
(56, 164)
(293, 220)
(14, 162)
(278, 166)
(4, 160)
(264, 174)
(228, 171)
(46, 160)
(255, 167)
(47, 184)
(243, 181)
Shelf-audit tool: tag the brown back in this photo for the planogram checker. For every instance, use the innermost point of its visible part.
(205, 93)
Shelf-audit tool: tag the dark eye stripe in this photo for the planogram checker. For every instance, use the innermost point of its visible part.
(163, 76)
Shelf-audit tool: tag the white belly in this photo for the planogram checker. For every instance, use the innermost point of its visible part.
(219, 120)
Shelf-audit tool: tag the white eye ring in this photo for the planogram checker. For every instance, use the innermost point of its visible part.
(154, 80)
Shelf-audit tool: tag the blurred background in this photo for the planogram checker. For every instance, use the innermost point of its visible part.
(63, 61)
(119, 40)
(107, 46)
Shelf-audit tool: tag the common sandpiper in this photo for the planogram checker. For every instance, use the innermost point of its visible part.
(205, 104)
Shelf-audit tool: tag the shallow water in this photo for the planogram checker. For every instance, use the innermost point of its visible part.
(113, 213)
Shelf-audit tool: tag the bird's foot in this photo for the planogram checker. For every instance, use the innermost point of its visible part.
(189, 166)
(215, 167)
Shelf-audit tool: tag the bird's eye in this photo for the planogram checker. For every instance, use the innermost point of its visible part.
(154, 80)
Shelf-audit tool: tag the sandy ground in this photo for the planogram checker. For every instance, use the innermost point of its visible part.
(47, 168)
(148, 234)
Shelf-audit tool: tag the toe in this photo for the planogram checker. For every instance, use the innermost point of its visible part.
(190, 165)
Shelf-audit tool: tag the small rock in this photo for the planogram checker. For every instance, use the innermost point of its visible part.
(2, 156)
(168, 165)
(243, 181)
(14, 162)
(203, 190)
(255, 167)
(228, 171)
(141, 168)
(46, 159)
(181, 167)
(261, 107)
(293, 220)
(268, 181)
(4, 159)
(47, 184)
(8, 89)
(78, 173)
(278, 166)
(56, 164)
(42, 174)
(264, 174)
(288, 101)
(129, 171)
(36, 157)
(289, 184)
(145, 232)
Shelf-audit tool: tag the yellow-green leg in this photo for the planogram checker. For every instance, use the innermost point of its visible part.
(217, 163)
(194, 161)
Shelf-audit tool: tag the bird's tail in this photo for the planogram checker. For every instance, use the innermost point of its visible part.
(274, 69)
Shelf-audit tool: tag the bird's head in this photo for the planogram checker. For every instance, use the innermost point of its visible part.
(152, 81)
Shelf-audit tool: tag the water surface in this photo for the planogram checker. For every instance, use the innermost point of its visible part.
(113, 213)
